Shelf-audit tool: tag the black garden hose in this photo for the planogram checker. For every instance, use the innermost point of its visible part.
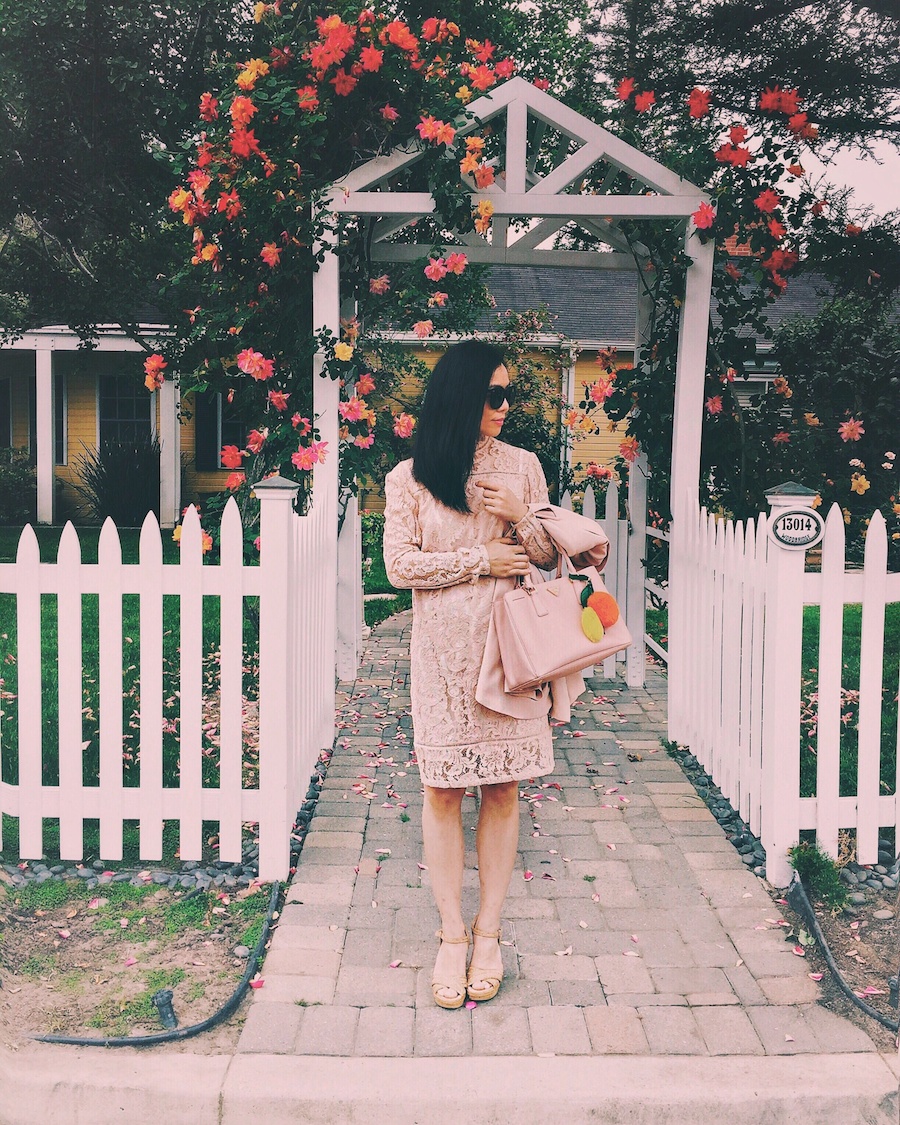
(179, 1033)
(798, 899)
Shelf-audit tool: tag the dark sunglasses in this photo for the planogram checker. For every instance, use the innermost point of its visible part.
(497, 395)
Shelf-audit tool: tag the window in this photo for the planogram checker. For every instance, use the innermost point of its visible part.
(124, 408)
(216, 423)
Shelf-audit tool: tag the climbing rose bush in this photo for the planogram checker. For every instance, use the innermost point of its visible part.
(277, 128)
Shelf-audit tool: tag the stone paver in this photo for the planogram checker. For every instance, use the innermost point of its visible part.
(328, 1030)
(385, 1031)
(500, 1031)
(271, 1029)
(616, 1031)
(672, 1031)
(640, 931)
(559, 1030)
(442, 1033)
(727, 1031)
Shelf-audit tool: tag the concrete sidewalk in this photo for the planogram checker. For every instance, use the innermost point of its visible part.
(646, 977)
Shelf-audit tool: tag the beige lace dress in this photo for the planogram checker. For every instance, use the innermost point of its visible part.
(441, 555)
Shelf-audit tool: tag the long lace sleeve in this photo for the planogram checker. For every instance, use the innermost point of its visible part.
(529, 531)
(407, 565)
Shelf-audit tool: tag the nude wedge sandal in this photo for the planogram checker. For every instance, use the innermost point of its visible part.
(458, 984)
(476, 973)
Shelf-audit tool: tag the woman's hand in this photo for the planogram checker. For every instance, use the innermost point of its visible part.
(501, 501)
(507, 558)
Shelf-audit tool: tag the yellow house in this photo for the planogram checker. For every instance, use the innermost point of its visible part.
(59, 401)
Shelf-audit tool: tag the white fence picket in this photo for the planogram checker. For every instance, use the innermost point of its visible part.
(871, 662)
(589, 503)
(610, 524)
(828, 690)
(28, 703)
(150, 555)
(109, 568)
(729, 723)
(69, 694)
(190, 680)
(231, 692)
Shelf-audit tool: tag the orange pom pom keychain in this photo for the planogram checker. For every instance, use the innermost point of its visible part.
(605, 606)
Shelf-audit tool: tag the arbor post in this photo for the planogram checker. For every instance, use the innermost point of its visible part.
(326, 310)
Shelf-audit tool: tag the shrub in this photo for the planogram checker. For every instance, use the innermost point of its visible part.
(121, 479)
(819, 873)
(18, 487)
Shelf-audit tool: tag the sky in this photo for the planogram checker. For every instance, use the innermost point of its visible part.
(876, 185)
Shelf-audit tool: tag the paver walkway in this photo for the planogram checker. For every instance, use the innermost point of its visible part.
(631, 927)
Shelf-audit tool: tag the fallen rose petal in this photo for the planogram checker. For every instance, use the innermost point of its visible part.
(470, 1004)
(64, 933)
(798, 951)
(123, 922)
(129, 961)
(789, 1039)
(567, 952)
(395, 964)
(612, 847)
(595, 897)
(634, 938)
(528, 875)
(630, 953)
(93, 904)
(422, 866)
(257, 983)
(815, 976)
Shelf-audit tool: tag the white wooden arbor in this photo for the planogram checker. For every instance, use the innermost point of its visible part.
(548, 203)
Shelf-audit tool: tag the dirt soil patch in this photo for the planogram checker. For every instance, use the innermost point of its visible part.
(866, 949)
(86, 963)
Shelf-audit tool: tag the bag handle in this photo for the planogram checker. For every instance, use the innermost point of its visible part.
(526, 582)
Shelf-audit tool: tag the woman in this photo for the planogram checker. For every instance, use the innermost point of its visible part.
(447, 536)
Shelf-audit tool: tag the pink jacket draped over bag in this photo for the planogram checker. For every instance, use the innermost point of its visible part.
(585, 543)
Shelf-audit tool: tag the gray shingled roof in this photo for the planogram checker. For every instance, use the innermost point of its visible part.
(599, 305)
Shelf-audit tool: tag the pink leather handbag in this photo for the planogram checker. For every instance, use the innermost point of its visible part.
(539, 630)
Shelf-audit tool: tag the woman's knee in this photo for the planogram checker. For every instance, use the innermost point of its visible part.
(501, 797)
(444, 802)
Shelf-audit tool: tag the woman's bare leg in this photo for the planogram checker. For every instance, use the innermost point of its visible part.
(496, 840)
(442, 834)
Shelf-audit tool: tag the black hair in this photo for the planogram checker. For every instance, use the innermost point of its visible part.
(450, 420)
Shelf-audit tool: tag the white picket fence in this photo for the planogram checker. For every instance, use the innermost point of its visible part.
(295, 585)
(735, 628)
